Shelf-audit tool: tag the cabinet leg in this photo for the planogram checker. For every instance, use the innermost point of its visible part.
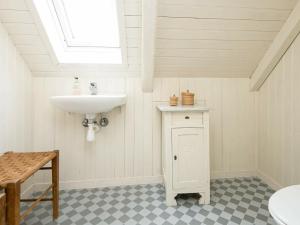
(205, 199)
(170, 197)
(171, 201)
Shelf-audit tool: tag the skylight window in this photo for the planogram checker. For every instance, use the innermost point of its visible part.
(82, 31)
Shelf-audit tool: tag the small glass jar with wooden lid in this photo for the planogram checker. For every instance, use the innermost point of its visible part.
(187, 98)
(173, 100)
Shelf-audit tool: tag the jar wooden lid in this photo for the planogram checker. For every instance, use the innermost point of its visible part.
(187, 93)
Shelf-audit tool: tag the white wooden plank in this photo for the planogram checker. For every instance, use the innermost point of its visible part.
(134, 61)
(212, 44)
(37, 59)
(211, 53)
(47, 67)
(13, 4)
(203, 68)
(205, 12)
(133, 21)
(191, 34)
(133, 43)
(129, 128)
(209, 73)
(148, 134)
(134, 33)
(133, 8)
(157, 170)
(15, 16)
(206, 63)
(138, 130)
(169, 87)
(26, 39)
(17, 28)
(86, 74)
(148, 44)
(275, 4)
(134, 52)
(31, 49)
(218, 24)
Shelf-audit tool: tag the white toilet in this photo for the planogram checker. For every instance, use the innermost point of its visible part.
(284, 206)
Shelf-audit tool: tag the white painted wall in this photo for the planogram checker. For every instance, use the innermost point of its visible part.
(129, 149)
(278, 111)
(15, 99)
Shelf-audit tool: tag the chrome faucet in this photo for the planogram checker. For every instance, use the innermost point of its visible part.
(93, 88)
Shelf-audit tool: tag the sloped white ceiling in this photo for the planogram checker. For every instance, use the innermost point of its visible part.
(216, 38)
(195, 38)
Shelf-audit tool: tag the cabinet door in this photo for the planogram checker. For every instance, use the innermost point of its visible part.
(190, 158)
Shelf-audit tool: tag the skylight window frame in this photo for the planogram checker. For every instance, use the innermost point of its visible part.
(64, 21)
(61, 53)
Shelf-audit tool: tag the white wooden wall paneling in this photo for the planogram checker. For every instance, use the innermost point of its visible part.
(16, 99)
(278, 118)
(130, 147)
(281, 43)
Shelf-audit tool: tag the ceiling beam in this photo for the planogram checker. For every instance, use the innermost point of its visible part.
(277, 49)
(149, 13)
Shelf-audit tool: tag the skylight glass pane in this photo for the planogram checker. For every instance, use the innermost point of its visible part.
(87, 23)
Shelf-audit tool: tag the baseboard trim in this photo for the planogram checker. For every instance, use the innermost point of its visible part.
(97, 183)
(101, 183)
(232, 174)
(269, 181)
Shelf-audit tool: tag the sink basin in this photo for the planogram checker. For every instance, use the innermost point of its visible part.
(88, 104)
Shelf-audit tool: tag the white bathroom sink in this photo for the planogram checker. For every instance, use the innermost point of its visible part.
(88, 104)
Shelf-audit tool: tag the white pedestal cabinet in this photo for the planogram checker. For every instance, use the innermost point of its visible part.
(185, 151)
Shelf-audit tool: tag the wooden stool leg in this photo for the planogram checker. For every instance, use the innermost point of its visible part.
(55, 188)
(13, 203)
(2, 209)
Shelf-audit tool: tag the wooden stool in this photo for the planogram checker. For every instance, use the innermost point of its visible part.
(15, 168)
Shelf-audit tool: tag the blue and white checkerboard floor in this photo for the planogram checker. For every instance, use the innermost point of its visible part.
(233, 201)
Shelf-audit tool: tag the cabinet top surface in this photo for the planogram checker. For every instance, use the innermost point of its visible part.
(182, 108)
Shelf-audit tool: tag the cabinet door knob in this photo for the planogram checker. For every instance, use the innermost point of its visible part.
(187, 117)
(175, 157)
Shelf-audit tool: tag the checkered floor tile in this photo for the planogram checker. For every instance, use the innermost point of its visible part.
(234, 201)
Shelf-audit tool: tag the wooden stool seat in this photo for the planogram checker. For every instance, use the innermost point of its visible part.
(15, 168)
(20, 166)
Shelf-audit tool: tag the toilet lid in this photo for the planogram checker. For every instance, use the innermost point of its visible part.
(284, 205)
